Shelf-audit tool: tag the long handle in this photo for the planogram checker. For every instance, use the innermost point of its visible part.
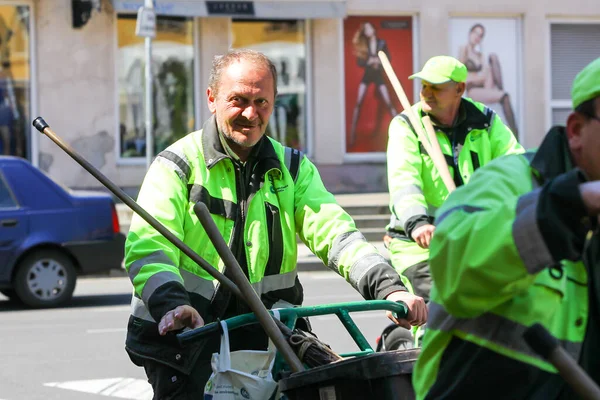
(431, 145)
(548, 347)
(43, 127)
(439, 161)
(262, 314)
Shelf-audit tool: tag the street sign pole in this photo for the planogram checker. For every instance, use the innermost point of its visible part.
(146, 27)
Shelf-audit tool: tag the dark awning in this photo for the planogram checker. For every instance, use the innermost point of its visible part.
(258, 9)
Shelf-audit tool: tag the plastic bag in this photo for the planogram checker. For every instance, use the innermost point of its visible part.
(242, 374)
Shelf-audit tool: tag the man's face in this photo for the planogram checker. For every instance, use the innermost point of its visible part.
(437, 99)
(584, 140)
(243, 102)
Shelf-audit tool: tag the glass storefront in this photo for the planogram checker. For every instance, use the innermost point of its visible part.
(173, 84)
(15, 80)
(284, 42)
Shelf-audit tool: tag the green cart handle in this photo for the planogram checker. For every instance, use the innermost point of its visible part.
(289, 317)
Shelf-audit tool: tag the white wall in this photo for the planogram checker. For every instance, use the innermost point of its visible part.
(76, 87)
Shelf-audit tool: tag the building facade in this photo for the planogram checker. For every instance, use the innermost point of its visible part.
(80, 65)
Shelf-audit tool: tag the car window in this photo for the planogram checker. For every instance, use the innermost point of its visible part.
(7, 199)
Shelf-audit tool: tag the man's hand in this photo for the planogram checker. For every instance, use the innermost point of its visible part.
(417, 309)
(423, 234)
(387, 239)
(181, 317)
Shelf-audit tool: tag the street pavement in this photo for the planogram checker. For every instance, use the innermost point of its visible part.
(77, 352)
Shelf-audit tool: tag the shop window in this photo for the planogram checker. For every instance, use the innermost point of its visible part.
(573, 46)
(15, 81)
(173, 84)
(284, 42)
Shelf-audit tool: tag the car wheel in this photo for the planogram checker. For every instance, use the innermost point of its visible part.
(45, 278)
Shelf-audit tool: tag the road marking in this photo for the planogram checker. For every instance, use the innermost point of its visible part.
(123, 388)
(106, 330)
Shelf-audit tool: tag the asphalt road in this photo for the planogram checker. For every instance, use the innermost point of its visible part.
(77, 352)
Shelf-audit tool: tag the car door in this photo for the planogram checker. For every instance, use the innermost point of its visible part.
(13, 228)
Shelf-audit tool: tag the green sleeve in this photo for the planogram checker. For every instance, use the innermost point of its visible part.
(331, 234)
(503, 141)
(150, 259)
(404, 167)
(474, 261)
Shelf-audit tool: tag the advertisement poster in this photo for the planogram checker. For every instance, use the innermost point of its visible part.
(370, 100)
(490, 49)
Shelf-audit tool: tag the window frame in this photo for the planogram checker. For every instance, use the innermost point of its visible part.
(33, 141)
(556, 104)
(139, 161)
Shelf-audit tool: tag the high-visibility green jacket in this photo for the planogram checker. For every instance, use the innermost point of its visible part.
(259, 207)
(415, 185)
(511, 249)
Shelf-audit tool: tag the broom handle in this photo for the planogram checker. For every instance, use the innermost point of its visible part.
(543, 343)
(432, 147)
(442, 165)
(248, 293)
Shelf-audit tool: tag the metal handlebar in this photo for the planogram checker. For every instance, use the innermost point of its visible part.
(289, 317)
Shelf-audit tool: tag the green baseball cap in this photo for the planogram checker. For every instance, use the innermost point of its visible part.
(586, 84)
(442, 69)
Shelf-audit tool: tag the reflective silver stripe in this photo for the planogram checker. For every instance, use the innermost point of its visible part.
(492, 327)
(364, 265)
(489, 112)
(158, 257)
(400, 195)
(527, 236)
(196, 284)
(157, 280)
(275, 282)
(340, 244)
(409, 213)
(176, 160)
(287, 157)
(139, 310)
(191, 282)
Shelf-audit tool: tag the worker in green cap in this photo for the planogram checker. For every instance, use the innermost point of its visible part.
(519, 245)
(470, 135)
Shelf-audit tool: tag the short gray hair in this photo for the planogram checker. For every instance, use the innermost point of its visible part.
(220, 63)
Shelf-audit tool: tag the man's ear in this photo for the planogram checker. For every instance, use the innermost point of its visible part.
(211, 98)
(460, 88)
(575, 123)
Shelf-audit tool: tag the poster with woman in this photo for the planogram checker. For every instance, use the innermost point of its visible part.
(370, 102)
(490, 48)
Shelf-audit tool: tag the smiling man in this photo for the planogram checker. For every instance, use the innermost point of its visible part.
(261, 195)
(470, 135)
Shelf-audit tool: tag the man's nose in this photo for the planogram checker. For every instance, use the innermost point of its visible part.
(250, 112)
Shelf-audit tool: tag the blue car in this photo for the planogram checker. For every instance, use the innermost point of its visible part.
(49, 235)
